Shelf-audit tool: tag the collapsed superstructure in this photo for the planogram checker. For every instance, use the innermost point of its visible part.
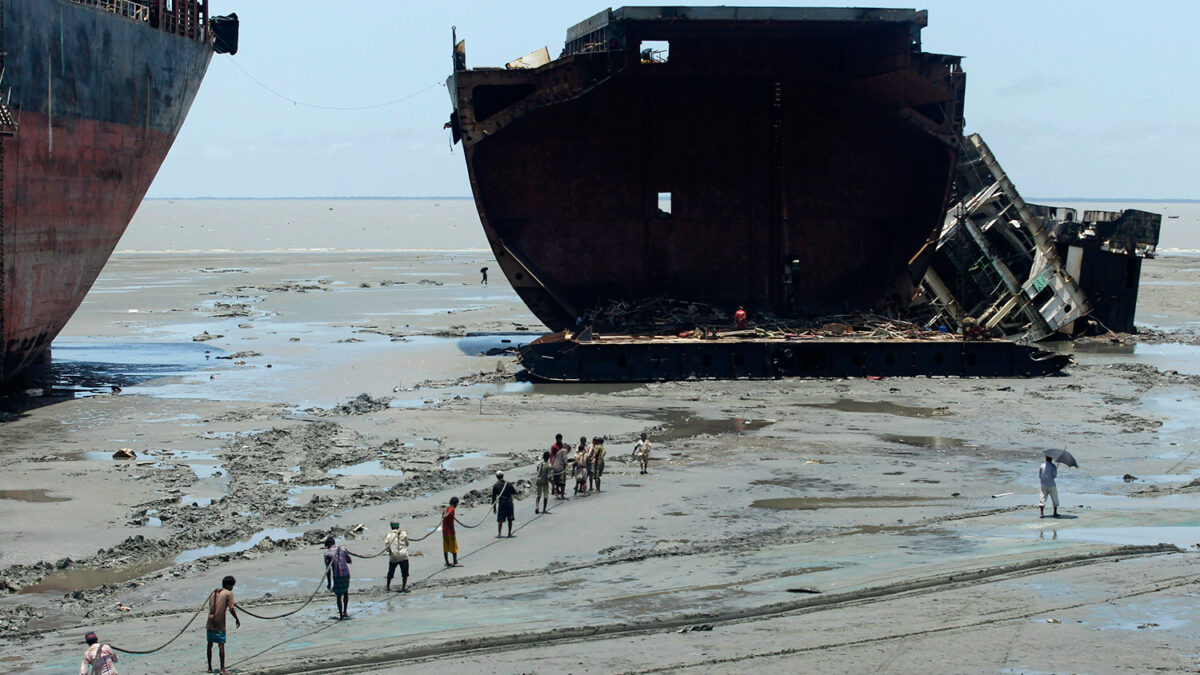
(1011, 269)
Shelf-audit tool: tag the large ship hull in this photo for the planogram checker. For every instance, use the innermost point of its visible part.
(806, 155)
(98, 97)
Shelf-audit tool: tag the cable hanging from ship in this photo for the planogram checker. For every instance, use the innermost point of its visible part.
(332, 107)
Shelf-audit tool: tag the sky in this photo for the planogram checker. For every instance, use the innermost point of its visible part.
(1088, 99)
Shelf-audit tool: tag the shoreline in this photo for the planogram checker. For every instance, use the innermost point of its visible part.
(756, 487)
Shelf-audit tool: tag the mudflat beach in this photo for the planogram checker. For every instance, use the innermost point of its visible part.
(276, 394)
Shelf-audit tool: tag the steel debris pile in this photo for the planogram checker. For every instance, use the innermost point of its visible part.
(670, 317)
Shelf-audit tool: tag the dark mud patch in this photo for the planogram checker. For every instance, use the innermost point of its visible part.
(881, 408)
(38, 496)
(814, 503)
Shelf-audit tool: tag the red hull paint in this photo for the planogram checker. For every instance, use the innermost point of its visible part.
(69, 192)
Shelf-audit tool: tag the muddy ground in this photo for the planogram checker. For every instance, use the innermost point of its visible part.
(809, 525)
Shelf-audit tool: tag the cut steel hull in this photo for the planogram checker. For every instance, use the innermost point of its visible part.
(807, 154)
(562, 358)
(98, 97)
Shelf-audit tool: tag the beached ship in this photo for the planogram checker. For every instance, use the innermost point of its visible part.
(794, 161)
(92, 95)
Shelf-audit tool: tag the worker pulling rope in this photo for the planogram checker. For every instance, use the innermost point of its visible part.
(306, 603)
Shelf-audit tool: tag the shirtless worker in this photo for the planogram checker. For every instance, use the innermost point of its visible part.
(219, 602)
(543, 484)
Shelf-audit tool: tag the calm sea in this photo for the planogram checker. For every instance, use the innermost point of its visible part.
(421, 224)
(244, 225)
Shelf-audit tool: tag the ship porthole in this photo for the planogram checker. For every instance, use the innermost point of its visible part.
(520, 276)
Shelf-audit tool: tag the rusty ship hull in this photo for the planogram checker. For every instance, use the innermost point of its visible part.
(565, 357)
(795, 161)
(94, 94)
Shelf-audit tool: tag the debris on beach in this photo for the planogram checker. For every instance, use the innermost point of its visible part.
(124, 453)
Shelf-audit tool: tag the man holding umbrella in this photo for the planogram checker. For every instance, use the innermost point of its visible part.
(1047, 472)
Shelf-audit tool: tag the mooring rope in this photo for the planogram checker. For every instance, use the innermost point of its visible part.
(177, 635)
(316, 591)
(306, 602)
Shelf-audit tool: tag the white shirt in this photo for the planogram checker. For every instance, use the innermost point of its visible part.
(1047, 472)
(397, 545)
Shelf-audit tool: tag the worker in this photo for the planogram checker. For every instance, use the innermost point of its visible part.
(396, 544)
(220, 601)
(739, 317)
(337, 575)
(502, 503)
(98, 658)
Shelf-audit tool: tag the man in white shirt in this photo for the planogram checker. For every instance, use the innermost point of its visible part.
(641, 452)
(397, 548)
(1046, 474)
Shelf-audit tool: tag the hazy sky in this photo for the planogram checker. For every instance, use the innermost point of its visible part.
(1085, 99)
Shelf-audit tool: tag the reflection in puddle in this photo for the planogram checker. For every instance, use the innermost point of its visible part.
(371, 468)
(275, 533)
(679, 425)
(1183, 536)
(302, 494)
(31, 496)
(883, 407)
(189, 500)
(470, 460)
(78, 579)
(812, 503)
(926, 441)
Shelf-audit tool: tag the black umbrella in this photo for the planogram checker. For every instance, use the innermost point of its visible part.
(1061, 456)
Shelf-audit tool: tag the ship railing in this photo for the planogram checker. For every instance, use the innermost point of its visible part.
(131, 9)
(188, 18)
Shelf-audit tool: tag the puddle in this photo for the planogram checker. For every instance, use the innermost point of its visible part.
(813, 503)
(470, 460)
(1167, 356)
(38, 496)
(475, 344)
(79, 579)
(104, 456)
(90, 368)
(276, 533)
(880, 407)
(926, 441)
(189, 500)
(1183, 536)
(677, 425)
(302, 494)
(369, 469)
